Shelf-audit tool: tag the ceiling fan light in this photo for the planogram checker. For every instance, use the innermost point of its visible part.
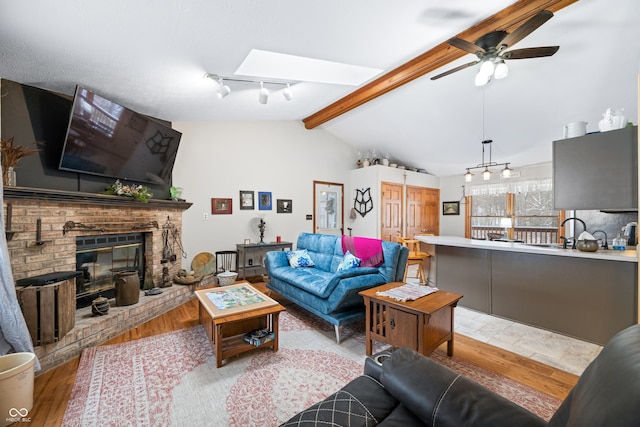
(481, 79)
(501, 70)
(487, 68)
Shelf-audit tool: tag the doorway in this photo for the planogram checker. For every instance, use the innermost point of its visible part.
(328, 202)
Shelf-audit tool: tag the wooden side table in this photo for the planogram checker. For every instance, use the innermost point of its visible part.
(423, 324)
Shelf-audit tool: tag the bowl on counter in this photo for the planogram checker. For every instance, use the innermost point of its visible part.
(587, 245)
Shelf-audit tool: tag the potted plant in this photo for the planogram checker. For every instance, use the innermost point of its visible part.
(11, 155)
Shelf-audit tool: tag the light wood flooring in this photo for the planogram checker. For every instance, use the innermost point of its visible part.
(53, 388)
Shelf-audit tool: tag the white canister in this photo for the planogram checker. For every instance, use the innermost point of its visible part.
(574, 129)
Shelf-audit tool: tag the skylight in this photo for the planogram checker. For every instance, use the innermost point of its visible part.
(272, 65)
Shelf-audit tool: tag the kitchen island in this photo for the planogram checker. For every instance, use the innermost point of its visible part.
(586, 295)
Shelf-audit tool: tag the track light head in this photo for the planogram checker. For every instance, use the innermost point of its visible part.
(224, 90)
(288, 95)
(263, 98)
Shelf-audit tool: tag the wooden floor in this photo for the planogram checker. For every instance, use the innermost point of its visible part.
(53, 388)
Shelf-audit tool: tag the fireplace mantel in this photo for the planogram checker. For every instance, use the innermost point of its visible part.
(61, 196)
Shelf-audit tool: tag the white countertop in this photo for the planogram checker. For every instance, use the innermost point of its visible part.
(608, 255)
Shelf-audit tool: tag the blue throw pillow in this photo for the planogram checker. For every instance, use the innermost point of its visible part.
(299, 259)
(350, 261)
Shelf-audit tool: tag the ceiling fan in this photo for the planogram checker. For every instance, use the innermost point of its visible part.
(490, 50)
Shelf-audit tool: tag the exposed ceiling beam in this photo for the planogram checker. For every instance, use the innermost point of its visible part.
(507, 19)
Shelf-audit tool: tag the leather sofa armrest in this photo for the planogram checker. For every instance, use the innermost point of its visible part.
(440, 396)
(373, 364)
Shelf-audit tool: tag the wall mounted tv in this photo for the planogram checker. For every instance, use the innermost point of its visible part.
(107, 139)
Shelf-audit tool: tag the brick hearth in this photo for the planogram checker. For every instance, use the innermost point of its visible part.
(63, 217)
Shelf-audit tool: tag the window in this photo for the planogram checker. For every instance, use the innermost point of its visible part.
(528, 203)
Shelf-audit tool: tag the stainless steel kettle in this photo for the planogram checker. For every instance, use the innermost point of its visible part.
(631, 233)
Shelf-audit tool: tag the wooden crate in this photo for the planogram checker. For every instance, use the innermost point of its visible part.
(49, 310)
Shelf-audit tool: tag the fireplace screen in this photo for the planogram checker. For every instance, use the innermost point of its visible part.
(101, 258)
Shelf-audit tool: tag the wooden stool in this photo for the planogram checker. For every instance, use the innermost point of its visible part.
(416, 257)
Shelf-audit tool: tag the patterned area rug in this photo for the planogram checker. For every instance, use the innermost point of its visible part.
(171, 379)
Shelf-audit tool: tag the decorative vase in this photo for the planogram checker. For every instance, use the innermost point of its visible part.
(127, 288)
(9, 177)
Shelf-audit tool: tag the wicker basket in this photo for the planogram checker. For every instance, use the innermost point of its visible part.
(227, 278)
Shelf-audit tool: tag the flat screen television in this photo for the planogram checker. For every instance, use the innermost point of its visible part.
(106, 139)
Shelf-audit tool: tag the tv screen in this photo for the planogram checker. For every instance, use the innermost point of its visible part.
(107, 139)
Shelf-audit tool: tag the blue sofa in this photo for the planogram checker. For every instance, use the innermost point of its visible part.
(324, 292)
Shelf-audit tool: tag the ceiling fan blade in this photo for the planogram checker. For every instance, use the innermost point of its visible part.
(527, 28)
(465, 45)
(453, 70)
(530, 52)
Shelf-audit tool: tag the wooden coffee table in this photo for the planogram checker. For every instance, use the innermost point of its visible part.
(423, 324)
(226, 327)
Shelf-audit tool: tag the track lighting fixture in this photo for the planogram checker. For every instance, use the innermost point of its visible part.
(224, 90)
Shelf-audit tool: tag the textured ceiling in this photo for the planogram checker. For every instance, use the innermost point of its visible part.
(151, 55)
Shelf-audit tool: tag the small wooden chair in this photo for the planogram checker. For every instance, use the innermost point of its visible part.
(416, 257)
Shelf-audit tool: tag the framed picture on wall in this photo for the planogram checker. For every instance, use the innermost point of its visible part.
(264, 200)
(246, 200)
(450, 208)
(284, 205)
(221, 206)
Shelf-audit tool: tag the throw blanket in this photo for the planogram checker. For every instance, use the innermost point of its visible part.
(368, 250)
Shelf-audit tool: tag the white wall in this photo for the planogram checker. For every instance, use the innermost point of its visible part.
(451, 190)
(372, 177)
(218, 159)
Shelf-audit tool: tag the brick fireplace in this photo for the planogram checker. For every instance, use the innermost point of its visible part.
(43, 229)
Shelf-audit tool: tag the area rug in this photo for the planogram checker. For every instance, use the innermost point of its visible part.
(172, 379)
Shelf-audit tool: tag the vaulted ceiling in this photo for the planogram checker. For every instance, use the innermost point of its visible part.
(150, 56)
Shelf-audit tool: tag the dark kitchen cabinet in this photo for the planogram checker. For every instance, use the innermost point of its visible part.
(597, 171)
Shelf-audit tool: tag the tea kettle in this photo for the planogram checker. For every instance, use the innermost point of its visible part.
(630, 232)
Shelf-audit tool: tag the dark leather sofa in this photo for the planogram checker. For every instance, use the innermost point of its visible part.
(404, 388)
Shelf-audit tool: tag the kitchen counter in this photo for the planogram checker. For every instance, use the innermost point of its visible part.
(586, 295)
(629, 255)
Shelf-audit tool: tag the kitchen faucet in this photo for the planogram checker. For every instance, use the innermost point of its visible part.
(573, 239)
(605, 245)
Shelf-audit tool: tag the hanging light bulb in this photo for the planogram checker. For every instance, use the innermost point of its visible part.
(264, 94)
(506, 172)
(468, 176)
(501, 70)
(288, 95)
(486, 175)
(223, 90)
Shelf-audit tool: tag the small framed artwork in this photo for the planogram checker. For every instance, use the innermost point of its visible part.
(284, 205)
(246, 201)
(450, 208)
(221, 206)
(264, 200)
